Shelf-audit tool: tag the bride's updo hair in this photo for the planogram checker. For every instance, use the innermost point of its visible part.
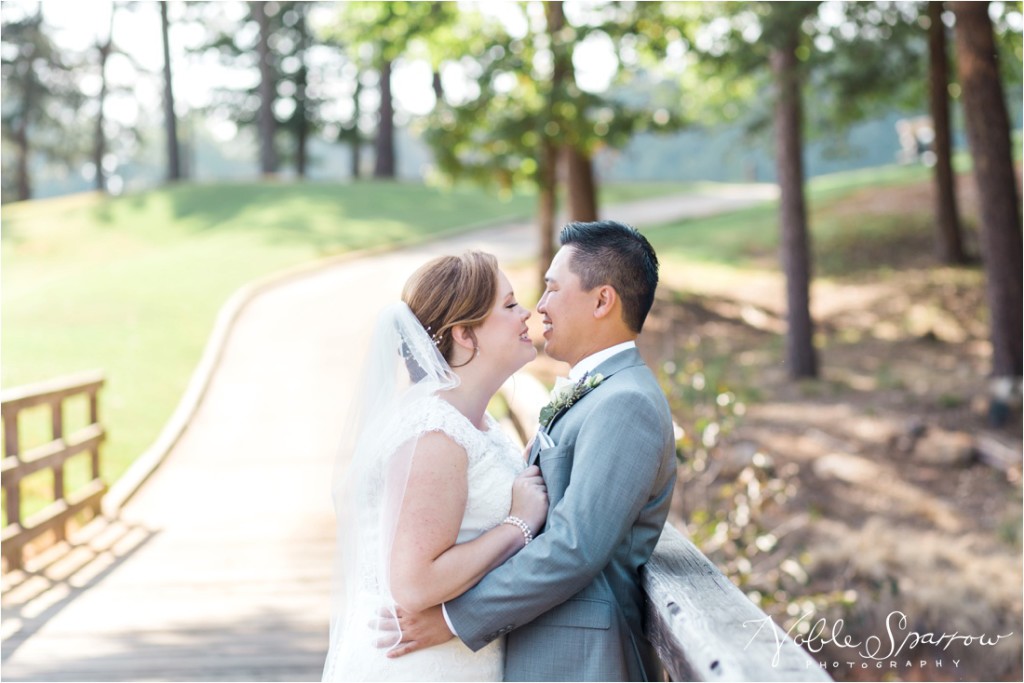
(450, 291)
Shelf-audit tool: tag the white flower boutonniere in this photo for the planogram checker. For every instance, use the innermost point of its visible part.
(564, 396)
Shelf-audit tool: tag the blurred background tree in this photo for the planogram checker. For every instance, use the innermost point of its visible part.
(170, 116)
(523, 110)
(381, 33)
(988, 131)
(518, 101)
(41, 96)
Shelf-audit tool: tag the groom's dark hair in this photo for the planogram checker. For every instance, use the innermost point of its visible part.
(610, 253)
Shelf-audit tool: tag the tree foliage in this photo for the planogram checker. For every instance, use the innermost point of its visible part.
(296, 107)
(494, 133)
(40, 102)
(375, 36)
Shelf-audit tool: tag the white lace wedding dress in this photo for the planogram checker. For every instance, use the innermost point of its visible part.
(494, 462)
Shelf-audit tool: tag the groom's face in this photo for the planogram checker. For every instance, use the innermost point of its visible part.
(566, 310)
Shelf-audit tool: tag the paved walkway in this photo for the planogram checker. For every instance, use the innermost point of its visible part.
(219, 568)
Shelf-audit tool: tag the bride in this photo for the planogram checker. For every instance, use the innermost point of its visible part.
(435, 495)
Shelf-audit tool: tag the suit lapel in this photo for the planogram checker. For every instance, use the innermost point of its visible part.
(620, 361)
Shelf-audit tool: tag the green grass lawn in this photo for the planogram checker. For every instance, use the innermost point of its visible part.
(631, 192)
(742, 238)
(132, 285)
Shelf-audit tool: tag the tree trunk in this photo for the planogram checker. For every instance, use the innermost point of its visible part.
(435, 83)
(99, 148)
(988, 132)
(949, 242)
(267, 123)
(384, 166)
(801, 358)
(170, 119)
(580, 180)
(302, 124)
(187, 147)
(579, 167)
(547, 205)
(357, 139)
(21, 137)
(548, 168)
(100, 141)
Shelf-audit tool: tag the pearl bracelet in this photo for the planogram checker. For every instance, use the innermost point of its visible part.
(523, 526)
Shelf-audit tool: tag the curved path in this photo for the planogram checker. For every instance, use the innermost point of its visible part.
(219, 568)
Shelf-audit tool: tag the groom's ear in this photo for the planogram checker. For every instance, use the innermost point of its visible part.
(606, 301)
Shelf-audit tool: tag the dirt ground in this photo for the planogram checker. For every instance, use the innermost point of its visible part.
(863, 494)
(868, 480)
(881, 487)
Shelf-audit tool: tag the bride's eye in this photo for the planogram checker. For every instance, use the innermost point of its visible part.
(513, 304)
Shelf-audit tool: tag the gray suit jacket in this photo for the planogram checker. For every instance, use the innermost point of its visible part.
(571, 601)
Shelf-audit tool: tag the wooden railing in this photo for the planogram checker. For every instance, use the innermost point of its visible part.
(702, 626)
(17, 465)
(705, 629)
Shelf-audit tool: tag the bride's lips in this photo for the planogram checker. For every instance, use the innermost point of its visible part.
(524, 336)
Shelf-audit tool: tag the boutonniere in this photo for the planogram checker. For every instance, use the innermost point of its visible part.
(563, 397)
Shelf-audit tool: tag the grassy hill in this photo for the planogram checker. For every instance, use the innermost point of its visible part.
(133, 284)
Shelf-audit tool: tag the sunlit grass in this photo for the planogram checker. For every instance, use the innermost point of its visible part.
(748, 238)
(132, 285)
(629, 192)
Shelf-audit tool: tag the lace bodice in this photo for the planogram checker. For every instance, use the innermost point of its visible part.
(493, 462)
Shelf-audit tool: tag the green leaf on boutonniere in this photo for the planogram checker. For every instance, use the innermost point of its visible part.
(567, 397)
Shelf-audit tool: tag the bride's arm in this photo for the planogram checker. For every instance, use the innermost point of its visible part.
(427, 566)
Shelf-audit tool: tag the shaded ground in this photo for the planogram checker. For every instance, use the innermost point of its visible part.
(859, 494)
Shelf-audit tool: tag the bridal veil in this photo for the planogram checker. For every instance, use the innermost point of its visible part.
(403, 367)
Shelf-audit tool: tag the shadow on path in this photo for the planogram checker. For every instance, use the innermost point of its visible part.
(39, 594)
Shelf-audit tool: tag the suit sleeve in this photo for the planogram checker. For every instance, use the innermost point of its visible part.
(617, 457)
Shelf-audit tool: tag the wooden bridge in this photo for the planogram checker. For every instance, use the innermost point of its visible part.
(218, 565)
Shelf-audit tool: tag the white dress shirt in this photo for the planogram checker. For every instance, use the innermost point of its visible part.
(587, 364)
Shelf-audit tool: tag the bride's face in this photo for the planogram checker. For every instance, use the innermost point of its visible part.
(503, 337)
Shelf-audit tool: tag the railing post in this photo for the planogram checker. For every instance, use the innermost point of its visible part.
(57, 422)
(94, 418)
(13, 502)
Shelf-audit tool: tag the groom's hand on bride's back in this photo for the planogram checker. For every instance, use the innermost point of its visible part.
(419, 630)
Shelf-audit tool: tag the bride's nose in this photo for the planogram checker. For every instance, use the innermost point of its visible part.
(526, 314)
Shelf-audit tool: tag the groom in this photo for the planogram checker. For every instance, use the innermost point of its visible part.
(571, 602)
